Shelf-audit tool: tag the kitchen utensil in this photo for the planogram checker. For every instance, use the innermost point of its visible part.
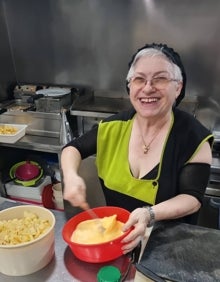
(96, 253)
(31, 182)
(97, 220)
(54, 92)
(27, 171)
(27, 258)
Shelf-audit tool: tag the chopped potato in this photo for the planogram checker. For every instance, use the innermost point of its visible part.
(16, 231)
(7, 129)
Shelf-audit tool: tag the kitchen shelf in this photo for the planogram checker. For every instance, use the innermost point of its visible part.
(37, 143)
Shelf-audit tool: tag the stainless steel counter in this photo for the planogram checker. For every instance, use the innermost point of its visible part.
(65, 266)
(42, 132)
(37, 143)
(178, 249)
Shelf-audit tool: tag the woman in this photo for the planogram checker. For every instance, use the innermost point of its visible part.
(153, 159)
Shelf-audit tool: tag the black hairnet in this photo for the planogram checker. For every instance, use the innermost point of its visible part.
(173, 56)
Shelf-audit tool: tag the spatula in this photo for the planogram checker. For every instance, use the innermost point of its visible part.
(97, 218)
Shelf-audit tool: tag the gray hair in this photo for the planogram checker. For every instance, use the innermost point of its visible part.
(152, 52)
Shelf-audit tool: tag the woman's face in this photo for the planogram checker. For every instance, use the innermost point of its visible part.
(153, 98)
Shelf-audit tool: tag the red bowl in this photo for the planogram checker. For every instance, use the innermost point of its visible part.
(96, 253)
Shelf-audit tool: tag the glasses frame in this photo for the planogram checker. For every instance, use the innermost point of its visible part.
(146, 81)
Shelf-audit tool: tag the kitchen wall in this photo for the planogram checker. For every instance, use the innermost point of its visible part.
(90, 42)
(7, 73)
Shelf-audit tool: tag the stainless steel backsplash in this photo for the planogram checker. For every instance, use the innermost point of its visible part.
(90, 42)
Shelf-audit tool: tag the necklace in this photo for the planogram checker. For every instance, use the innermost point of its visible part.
(146, 147)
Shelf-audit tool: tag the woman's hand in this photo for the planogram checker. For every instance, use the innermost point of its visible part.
(138, 219)
(74, 185)
(75, 191)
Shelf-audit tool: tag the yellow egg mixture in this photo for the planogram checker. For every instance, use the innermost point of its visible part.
(94, 231)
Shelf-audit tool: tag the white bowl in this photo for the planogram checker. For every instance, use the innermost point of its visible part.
(27, 258)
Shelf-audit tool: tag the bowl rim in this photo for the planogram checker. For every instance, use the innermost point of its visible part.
(37, 239)
(67, 239)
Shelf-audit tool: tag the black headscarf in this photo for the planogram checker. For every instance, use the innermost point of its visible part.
(171, 55)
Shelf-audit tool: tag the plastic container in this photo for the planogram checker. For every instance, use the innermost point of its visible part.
(96, 253)
(57, 190)
(34, 193)
(58, 196)
(27, 258)
(109, 273)
(58, 203)
(12, 138)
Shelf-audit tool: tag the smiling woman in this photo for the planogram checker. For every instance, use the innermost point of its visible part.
(175, 67)
(150, 155)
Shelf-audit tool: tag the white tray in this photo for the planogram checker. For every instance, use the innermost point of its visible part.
(12, 138)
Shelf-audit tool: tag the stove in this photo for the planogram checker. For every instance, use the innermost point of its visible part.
(42, 114)
(44, 98)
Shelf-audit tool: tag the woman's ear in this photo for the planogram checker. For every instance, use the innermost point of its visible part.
(128, 87)
(179, 87)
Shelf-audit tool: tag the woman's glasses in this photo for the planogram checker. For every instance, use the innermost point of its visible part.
(158, 82)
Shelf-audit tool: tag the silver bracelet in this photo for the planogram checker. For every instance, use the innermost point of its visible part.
(152, 216)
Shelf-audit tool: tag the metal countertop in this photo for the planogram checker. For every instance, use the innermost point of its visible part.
(64, 266)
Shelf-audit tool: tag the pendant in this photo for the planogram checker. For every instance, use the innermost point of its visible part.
(146, 149)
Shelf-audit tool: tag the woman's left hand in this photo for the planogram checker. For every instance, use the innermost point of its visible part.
(138, 219)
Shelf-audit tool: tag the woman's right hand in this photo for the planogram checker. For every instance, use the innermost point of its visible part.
(74, 185)
(75, 191)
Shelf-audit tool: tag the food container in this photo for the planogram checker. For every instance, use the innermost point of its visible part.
(27, 258)
(34, 193)
(30, 182)
(57, 190)
(96, 253)
(58, 196)
(58, 203)
(12, 138)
